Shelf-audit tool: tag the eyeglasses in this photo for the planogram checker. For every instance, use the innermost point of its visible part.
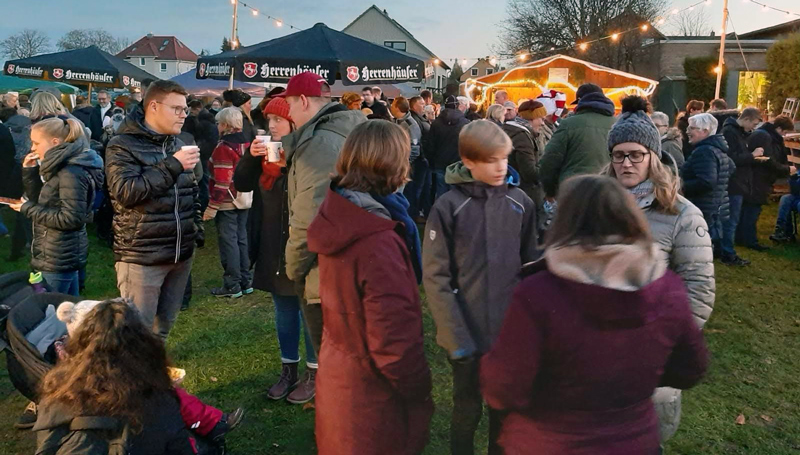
(176, 109)
(634, 157)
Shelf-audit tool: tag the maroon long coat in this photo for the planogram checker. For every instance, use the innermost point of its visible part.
(373, 385)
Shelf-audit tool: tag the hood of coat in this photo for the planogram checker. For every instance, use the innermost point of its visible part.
(770, 129)
(458, 174)
(75, 153)
(333, 117)
(340, 223)
(733, 123)
(595, 102)
(716, 141)
(451, 117)
(672, 134)
(365, 201)
(618, 266)
(235, 139)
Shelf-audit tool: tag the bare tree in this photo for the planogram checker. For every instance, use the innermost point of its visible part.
(690, 23)
(24, 44)
(81, 38)
(548, 26)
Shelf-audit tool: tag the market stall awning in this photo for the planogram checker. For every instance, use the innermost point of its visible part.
(85, 66)
(331, 54)
(562, 73)
(25, 86)
(212, 87)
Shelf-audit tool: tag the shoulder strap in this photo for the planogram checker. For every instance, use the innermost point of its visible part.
(117, 445)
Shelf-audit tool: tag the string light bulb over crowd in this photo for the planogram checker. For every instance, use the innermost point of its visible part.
(277, 22)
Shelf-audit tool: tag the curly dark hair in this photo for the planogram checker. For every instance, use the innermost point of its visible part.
(115, 365)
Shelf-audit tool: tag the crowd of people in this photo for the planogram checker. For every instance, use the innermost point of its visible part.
(529, 215)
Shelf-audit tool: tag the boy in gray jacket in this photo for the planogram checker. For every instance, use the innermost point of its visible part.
(478, 236)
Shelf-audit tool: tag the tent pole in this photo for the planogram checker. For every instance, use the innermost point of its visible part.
(721, 62)
(234, 42)
(89, 98)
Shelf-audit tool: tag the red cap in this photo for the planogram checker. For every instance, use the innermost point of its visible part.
(308, 84)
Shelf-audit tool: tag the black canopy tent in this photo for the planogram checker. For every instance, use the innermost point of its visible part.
(331, 54)
(88, 66)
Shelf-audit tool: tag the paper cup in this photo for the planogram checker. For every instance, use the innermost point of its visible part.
(274, 151)
(191, 147)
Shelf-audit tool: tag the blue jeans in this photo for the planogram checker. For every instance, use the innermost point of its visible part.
(63, 282)
(440, 186)
(747, 231)
(418, 190)
(287, 321)
(729, 227)
(789, 203)
(233, 253)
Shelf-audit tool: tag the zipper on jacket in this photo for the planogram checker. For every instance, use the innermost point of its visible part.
(177, 213)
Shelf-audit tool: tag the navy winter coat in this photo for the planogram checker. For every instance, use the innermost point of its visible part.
(705, 179)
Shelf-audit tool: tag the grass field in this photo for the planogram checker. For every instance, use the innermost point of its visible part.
(230, 352)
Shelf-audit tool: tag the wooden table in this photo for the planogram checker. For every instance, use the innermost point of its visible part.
(792, 142)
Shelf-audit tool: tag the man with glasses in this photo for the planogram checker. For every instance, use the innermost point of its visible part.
(100, 112)
(671, 138)
(154, 192)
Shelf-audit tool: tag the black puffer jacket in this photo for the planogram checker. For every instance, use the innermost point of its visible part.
(60, 195)
(153, 197)
(766, 172)
(736, 137)
(705, 179)
(443, 139)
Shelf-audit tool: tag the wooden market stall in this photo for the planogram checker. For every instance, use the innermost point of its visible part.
(558, 72)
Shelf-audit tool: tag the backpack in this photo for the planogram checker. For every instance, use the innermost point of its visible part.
(92, 435)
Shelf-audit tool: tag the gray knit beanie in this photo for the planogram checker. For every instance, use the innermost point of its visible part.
(634, 125)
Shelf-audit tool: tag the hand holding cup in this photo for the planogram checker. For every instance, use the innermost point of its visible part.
(259, 146)
(189, 156)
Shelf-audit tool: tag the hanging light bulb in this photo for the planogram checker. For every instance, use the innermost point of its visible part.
(436, 61)
(464, 62)
(717, 69)
(615, 37)
(233, 2)
(662, 21)
(691, 8)
(583, 46)
(255, 12)
(523, 57)
(765, 8)
(645, 27)
(708, 2)
(675, 11)
(553, 48)
(493, 61)
(279, 23)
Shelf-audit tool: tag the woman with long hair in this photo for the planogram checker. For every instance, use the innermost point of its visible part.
(115, 368)
(62, 176)
(591, 331)
(374, 388)
(45, 104)
(268, 232)
(678, 227)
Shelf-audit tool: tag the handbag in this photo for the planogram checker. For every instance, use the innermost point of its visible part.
(243, 199)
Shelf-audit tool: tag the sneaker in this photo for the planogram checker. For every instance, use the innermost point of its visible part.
(287, 382)
(234, 293)
(780, 237)
(735, 261)
(226, 424)
(759, 247)
(28, 418)
(248, 290)
(306, 390)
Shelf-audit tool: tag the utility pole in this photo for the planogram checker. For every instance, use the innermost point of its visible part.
(234, 40)
(721, 63)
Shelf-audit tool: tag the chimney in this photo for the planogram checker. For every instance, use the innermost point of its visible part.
(713, 33)
(150, 35)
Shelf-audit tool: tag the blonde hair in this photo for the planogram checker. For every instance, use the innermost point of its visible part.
(65, 129)
(349, 98)
(44, 104)
(374, 158)
(496, 112)
(230, 117)
(666, 185)
(481, 139)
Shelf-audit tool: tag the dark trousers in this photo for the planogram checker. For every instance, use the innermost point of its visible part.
(746, 232)
(440, 187)
(468, 410)
(418, 190)
(232, 240)
(312, 315)
(22, 236)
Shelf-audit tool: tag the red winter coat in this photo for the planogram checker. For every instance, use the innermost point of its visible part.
(374, 385)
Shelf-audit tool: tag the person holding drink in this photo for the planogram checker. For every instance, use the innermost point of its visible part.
(268, 231)
(153, 191)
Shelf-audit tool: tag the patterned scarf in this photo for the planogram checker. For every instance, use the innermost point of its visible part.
(642, 190)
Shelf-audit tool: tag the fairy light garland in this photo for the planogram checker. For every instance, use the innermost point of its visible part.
(256, 12)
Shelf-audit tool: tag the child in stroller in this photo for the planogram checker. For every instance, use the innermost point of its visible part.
(27, 366)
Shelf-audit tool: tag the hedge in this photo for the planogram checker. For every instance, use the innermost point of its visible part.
(783, 72)
(701, 80)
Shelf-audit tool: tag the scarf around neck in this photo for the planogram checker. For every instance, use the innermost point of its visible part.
(642, 191)
(397, 205)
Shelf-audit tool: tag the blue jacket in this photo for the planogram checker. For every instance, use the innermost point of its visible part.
(705, 179)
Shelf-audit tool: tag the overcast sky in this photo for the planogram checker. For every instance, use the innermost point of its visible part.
(450, 28)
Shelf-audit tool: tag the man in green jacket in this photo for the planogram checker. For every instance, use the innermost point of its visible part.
(579, 145)
(311, 154)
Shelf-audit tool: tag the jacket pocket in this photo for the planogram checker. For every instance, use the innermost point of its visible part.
(312, 285)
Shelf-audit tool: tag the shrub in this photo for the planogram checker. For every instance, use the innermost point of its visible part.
(783, 71)
(701, 80)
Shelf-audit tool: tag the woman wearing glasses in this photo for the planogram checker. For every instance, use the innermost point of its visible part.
(677, 226)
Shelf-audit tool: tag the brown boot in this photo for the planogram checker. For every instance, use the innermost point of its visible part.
(286, 383)
(306, 390)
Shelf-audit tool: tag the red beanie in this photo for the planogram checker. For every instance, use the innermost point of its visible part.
(279, 107)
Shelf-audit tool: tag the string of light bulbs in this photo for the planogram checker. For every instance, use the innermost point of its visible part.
(256, 12)
(766, 8)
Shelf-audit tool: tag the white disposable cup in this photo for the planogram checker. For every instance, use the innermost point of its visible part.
(263, 138)
(274, 151)
(191, 147)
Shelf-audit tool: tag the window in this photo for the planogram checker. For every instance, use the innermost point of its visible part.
(398, 45)
(473, 72)
(161, 48)
(141, 61)
(489, 71)
(163, 68)
(166, 41)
